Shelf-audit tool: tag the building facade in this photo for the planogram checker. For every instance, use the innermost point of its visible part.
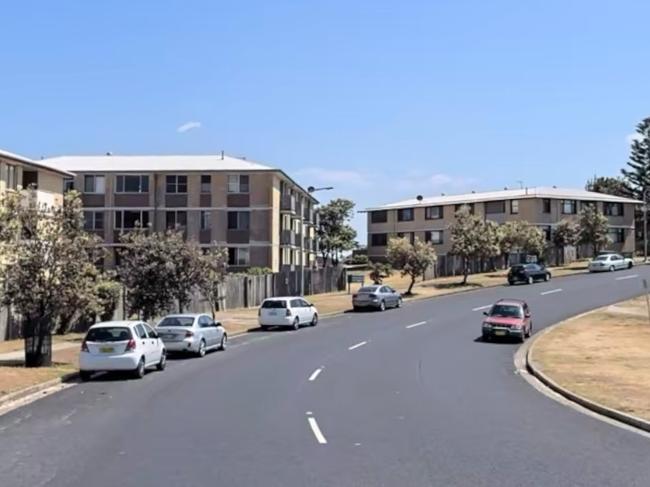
(259, 213)
(40, 181)
(429, 218)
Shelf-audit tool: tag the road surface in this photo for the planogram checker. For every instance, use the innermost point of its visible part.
(409, 397)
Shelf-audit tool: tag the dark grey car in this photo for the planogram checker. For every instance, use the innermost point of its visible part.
(377, 297)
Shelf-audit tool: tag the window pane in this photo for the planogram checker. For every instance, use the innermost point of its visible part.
(132, 184)
(145, 184)
(233, 184)
(99, 220)
(232, 220)
(170, 183)
(181, 218)
(206, 182)
(244, 220)
(232, 254)
(130, 218)
(89, 184)
(170, 219)
(243, 256)
(144, 221)
(182, 184)
(119, 184)
(243, 184)
(88, 220)
(118, 219)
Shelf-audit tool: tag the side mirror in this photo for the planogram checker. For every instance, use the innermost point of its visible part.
(216, 324)
(485, 313)
(527, 315)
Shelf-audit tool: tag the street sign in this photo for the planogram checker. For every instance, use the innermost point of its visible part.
(358, 278)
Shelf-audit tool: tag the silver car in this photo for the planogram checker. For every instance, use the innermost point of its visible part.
(377, 297)
(610, 262)
(193, 333)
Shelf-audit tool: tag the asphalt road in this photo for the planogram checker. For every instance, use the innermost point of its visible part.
(408, 397)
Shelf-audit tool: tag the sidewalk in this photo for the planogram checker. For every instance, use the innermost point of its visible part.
(19, 355)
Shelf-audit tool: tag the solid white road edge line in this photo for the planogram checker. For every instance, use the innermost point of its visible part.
(315, 374)
(360, 344)
(417, 324)
(481, 307)
(316, 430)
(552, 291)
(623, 278)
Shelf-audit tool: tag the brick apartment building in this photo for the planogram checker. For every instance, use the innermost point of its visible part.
(259, 213)
(429, 218)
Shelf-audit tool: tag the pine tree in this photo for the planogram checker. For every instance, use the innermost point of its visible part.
(637, 176)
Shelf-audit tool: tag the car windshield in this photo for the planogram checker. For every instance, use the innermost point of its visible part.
(177, 321)
(109, 334)
(507, 310)
(602, 257)
(274, 304)
(368, 289)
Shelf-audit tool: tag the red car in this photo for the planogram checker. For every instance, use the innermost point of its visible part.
(508, 318)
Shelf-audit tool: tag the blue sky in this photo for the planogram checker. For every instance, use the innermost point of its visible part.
(383, 100)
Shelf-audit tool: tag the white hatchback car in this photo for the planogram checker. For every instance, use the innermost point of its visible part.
(121, 345)
(610, 262)
(194, 333)
(287, 312)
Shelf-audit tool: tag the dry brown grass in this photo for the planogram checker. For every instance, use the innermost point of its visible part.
(16, 345)
(603, 356)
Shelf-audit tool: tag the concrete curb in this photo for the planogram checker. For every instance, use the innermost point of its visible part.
(36, 388)
(593, 406)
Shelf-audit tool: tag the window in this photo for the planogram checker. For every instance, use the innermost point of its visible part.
(238, 220)
(12, 178)
(129, 219)
(461, 205)
(238, 183)
(378, 239)
(176, 219)
(206, 183)
(379, 216)
(205, 322)
(30, 179)
(205, 220)
(132, 184)
(139, 329)
(68, 184)
(150, 332)
(109, 334)
(433, 236)
(492, 207)
(176, 184)
(433, 212)
(547, 232)
(238, 256)
(177, 321)
(514, 207)
(94, 184)
(613, 209)
(569, 207)
(587, 204)
(405, 215)
(616, 235)
(410, 236)
(295, 303)
(274, 304)
(93, 220)
(546, 205)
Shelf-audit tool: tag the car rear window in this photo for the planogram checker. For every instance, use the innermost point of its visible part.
(507, 310)
(109, 334)
(602, 257)
(177, 321)
(368, 289)
(517, 268)
(274, 304)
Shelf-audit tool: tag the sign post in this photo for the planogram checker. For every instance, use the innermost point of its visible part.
(355, 278)
(647, 298)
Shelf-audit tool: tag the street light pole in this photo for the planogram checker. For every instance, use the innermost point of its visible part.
(310, 190)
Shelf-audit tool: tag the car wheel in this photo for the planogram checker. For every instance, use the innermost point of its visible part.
(85, 375)
(296, 323)
(522, 338)
(511, 283)
(530, 330)
(356, 309)
(224, 342)
(201, 351)
(163, 362)
(314, 320)
(264, 327)
(611, 268)
(486, 337)
(138, 373)
(399, 303)
(547, 277)
(630, 264)
(530, 280)
(382, 306)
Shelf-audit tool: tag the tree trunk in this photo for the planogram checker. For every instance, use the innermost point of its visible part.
(408, 291)
(38, 343)
(465, 270)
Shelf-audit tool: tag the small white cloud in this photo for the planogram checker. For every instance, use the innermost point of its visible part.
(186, 127)
(632, 137)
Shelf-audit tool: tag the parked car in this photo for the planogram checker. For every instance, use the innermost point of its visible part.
(378, 297)
(290, 312)
(121, 345)
(192, 333)
(508, 318)
(528, 273)
(610, 262)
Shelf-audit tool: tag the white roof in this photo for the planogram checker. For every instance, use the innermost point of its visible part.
(39, 164)
(154, 163)
(127, 323)
(507, 194)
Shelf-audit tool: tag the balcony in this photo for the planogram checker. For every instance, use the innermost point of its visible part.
(288, 203)
(298, 208)
(287, 237)
(306, 243)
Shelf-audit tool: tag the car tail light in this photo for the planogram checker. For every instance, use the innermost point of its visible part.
(354, 296)
(84, 346)
(189, 333)
(288, 312)
(130, 346)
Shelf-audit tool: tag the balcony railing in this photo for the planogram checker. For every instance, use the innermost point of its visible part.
(288, 203)
(287, 237)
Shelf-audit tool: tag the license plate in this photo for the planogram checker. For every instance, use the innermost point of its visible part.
(499, 332)
(107, 349)
(273, 313)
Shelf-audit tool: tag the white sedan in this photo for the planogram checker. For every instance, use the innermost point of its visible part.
(610, 262)
(287, 312)
(121, 345)
(193, 333)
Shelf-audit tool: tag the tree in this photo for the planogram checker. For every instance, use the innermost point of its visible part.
(593, 228)
(334, 231)
(566, 233)
(213, 265)
(158, 269)
(608, 185)
(466, 237)
(533, 240)
(108, 293)
(47, 267)
(412, 259)
(637, 177)
(510, 238)
(489, 241)
(380, 271)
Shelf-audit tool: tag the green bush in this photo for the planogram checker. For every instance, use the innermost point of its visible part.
(108, 297)
(259, 271)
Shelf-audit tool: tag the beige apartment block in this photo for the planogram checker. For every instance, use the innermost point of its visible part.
(429, 218)
(258, 212)
(39, 181)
